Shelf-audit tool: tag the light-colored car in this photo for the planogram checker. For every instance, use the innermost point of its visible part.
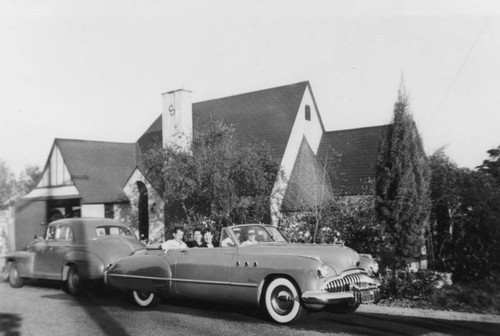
(283, 278)
(73, 250)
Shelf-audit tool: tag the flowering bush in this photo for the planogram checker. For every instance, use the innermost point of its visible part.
(412, 285)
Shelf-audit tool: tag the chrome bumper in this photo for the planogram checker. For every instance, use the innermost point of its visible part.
(365, 295)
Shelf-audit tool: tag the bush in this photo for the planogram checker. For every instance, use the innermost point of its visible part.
(481, 296)
(403, 284)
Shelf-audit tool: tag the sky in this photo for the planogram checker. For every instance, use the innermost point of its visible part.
(95, 70)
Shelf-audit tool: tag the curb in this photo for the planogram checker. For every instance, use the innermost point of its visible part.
(428, 313)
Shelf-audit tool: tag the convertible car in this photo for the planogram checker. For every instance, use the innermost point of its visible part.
(73, 250)
(255, 266)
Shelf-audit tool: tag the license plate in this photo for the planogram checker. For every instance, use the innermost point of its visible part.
(366, 296)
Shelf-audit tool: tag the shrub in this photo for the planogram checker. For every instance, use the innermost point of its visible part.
(403, 284)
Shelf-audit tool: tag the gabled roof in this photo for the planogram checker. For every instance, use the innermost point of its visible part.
(98, 169)
(351, 155)
(309, 183)
(265, 115)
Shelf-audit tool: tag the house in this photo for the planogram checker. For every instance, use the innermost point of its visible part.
(105, 179)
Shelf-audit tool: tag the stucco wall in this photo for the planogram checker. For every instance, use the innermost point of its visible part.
(129, 213)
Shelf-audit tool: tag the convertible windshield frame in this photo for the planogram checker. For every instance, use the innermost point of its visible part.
(265, 234)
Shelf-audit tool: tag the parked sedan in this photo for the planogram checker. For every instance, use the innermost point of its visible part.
(256, 266)
(73, 250)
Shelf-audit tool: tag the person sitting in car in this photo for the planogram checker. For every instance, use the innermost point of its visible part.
(208, 239)
(251, 238)
(228, 241)
(176, 242)
(197, 239)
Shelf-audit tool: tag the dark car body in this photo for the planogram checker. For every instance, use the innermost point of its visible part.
(283, 278)
(73, 250)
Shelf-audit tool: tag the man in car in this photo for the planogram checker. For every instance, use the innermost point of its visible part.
(197, 239)
(251, 238)
(176, 242)
(228, 241)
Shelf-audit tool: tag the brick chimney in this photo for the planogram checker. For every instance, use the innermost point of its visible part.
(177, 115)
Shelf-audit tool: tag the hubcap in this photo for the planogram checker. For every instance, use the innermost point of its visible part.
(143, 295)
(282, 300)
(75, 280)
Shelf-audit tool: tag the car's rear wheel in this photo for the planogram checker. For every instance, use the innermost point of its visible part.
(282, 301)
(74, 282)
(15, 281)
(145, 299)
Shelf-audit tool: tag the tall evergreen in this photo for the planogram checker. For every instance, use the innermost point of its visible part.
(402, 185)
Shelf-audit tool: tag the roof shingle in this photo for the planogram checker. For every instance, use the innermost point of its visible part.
(98, 169)
(356, 150)
(265, 115)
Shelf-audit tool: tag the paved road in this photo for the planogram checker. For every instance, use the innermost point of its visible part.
(44, 309)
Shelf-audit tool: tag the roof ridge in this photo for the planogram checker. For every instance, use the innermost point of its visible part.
(253, 92)
(94, 141)
(355, 129)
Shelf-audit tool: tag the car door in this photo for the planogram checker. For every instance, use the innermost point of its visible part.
(203, 273)
(49, 253)
(59, 248)
(43, 254)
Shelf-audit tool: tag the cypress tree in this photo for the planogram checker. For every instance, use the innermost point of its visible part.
(402, 185)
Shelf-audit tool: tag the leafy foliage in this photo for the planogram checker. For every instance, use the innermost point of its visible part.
(446, 202)
(7, 183)
(351, 220)
(402, 185)
(466, 219)
(220, 178)
(12, 187)
(412, 285)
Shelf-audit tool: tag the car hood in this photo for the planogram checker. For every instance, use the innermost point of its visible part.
(339, 257)
(117, 247)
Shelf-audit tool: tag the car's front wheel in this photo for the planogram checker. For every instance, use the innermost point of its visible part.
(145, 299)
(282, 301)
(15, 281)
(74, 282)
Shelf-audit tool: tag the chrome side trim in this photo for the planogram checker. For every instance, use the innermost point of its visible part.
(185, 280)
(138, 277)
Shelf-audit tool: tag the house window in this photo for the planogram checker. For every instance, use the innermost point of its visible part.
(308, 112)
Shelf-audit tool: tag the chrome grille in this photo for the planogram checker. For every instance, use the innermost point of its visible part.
(345, 283)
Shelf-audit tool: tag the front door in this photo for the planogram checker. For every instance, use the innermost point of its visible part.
(50, 252)
(203, 273)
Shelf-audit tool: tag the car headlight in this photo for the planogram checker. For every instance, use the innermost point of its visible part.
(325, 270)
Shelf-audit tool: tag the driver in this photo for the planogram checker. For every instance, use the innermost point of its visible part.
(228, 241)
(251, 238)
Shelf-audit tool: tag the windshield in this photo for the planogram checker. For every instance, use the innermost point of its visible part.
(254, 234)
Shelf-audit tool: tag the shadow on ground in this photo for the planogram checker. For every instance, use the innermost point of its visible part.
(10, 324)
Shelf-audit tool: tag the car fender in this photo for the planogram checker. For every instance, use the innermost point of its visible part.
(24, 260)
(88, 265)
(140, 272)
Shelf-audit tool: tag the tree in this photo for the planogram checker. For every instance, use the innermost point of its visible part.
(28, 179)
(465, 218)
(219, 178)
(446, 200)
(402, 185)
(11, 188)
(7, 184)
(491, 166)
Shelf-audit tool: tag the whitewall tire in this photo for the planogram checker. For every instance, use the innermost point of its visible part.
(282, 301)
(145, 299)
